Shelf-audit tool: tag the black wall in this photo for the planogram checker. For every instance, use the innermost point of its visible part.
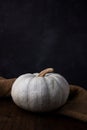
(48, 33)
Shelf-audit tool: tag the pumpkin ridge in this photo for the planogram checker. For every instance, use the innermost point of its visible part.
(60, 87)
(48, 91)
(28, 89)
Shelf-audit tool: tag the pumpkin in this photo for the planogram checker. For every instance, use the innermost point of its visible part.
(40, 92)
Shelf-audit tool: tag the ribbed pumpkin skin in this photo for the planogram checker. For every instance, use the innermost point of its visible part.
(39, 94)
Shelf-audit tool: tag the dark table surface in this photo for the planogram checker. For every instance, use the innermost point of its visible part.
(14, 118)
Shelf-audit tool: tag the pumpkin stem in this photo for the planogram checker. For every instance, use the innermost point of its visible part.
(45, 71)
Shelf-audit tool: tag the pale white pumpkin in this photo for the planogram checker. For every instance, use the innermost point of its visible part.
(39, 92)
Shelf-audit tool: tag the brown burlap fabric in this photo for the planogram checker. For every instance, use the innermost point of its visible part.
(75, 107)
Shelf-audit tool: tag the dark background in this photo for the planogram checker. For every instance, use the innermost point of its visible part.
(38, 34)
